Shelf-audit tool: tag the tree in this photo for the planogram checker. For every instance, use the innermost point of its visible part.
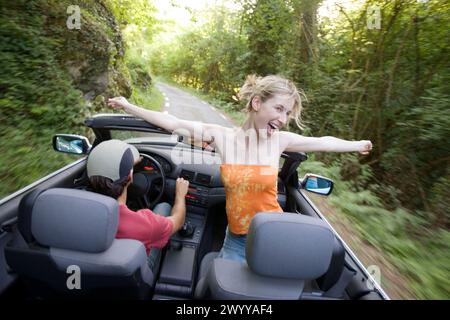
(266, 24)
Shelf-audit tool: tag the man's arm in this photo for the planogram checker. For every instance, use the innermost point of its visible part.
(296, 143)
(179, 208)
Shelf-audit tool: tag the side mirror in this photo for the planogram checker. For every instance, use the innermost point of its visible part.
(317, 184)
(71, 143)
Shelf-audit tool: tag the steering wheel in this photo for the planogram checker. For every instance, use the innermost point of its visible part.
(144, 188)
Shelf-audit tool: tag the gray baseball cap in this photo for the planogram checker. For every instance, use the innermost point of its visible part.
(112, 159)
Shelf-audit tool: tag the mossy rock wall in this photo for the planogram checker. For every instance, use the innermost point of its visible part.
(52, 78)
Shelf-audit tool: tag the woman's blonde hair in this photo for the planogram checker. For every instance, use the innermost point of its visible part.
(269, 86)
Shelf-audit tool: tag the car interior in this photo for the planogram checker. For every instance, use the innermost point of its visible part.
(57, 224)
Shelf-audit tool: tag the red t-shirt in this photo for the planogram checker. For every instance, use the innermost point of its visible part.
(151, 229)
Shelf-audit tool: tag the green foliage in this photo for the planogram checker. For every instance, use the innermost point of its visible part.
(138, 67)
(136, 12)
(209, 58)
(266, 24)
(52, 79)
(35, 95)
(405, 237)
(138, 34)
(149, 98)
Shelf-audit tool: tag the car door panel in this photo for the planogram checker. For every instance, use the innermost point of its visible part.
(358, 287)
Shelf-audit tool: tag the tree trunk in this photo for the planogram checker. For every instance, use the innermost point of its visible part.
(305, 30)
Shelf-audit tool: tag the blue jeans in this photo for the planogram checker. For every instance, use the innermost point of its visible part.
(154, 258)
(233, 247)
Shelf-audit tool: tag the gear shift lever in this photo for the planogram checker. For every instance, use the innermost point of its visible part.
(187, 230)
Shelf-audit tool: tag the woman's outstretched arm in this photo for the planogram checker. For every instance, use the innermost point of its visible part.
(293, 142)
(197, 130)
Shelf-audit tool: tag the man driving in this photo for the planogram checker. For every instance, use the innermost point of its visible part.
(110, 171)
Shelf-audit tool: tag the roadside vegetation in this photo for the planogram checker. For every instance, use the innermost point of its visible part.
(53, 77)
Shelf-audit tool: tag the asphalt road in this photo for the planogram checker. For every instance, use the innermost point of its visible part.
(188, 107)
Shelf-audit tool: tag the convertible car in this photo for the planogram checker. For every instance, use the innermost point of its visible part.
(57, 238)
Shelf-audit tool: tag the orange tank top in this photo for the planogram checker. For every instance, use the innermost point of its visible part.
(249, 189)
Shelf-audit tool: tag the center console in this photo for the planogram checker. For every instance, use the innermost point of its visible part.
(179, 267)
(197, 196)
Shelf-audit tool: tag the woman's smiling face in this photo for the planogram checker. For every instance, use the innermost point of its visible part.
(272, 114)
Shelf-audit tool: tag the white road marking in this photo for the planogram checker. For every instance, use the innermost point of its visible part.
(166, 112)
(223, 116)
(167, 104)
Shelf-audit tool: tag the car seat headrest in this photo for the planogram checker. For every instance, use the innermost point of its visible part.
(74, 220)
(289, 245)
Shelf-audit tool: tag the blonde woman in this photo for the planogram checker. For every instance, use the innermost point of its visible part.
(250, 154)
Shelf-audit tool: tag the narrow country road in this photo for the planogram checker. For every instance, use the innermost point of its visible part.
(188, 107)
